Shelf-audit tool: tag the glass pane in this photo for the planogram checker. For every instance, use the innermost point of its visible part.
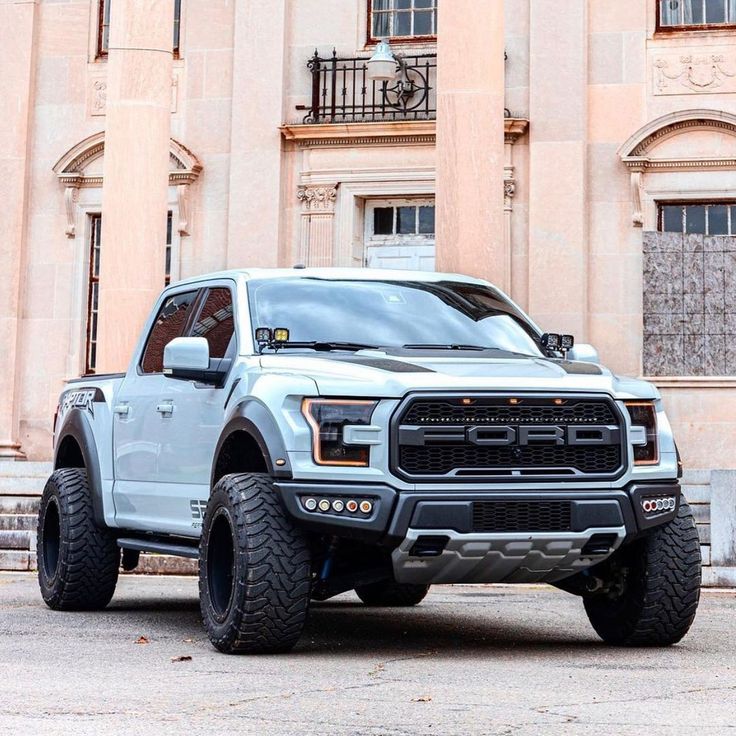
(177, 23)
(168, 261)
(695, 219)
(403, 4)
(405, 220)
(423, 3)
(715, 11)
(402, 24)
(426, 220)
(693, 12)
(215, 322)
(170, 323)
(718, 219)
(381, 25)
(381, 5)
(383, 221)
(423, 23)
(672, 218)
(670, 12)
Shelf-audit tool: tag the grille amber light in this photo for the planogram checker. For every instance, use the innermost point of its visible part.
(327, 445)
(644, 413)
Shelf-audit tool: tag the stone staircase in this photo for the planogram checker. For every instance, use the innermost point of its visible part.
(21, 485)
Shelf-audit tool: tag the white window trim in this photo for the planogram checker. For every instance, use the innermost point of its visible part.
(370, 238)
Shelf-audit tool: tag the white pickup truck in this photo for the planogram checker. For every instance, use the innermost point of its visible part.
(305, 432)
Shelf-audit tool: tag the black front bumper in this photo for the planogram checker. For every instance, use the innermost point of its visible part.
(394, 512)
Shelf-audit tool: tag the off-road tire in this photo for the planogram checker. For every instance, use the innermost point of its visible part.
(660, 591)
(77, 560)
(390, 594)
(254, 569)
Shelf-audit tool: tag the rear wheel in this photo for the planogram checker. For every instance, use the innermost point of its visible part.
(389, 593)
(652, 587)
(77, 560)
(254, 569)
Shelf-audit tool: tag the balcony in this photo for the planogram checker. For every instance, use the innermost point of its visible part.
(342, 92)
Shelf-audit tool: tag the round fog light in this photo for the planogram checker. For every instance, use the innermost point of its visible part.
(351, 506)
(338, 505)
(310, 504)
(324, 505)
(366, 507)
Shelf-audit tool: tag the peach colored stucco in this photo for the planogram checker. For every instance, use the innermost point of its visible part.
(554, 207)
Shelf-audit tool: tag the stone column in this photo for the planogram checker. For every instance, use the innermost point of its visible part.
(470, 140)
(17, 20)
(558, 186)
(316, 245)
(255, 160)
(135, 174)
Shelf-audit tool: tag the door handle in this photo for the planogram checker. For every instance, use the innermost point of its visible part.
(122, 409)
(166, 407)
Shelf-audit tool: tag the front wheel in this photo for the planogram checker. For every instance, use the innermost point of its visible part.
(652, 587)
(254, 569)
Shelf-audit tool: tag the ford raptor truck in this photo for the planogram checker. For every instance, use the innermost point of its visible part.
(306, 432)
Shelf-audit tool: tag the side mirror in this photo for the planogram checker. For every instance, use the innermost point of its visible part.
(188, 359)
(583, 353)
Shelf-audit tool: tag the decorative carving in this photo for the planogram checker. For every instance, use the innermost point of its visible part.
(70, 199)
(99, 96)
(182, 196)
(693, 73)
(637, 216)
(509, 188)
(318, 199)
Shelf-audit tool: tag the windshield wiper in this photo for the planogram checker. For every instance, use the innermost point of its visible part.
(453, 346)
(321, 345)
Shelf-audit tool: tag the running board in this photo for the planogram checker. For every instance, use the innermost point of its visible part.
(162, 548)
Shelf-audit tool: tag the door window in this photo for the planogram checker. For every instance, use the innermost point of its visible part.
(171, 322)
(215, 322)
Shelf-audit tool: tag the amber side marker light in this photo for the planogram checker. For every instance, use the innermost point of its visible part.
(644, 414)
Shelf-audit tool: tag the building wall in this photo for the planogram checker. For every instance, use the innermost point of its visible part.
(586, 74)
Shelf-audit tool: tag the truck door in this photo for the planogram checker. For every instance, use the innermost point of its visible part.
(140, 423)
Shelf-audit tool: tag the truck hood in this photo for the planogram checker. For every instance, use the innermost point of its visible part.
(393, 374)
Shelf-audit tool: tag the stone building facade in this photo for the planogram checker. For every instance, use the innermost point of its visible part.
(598, 187)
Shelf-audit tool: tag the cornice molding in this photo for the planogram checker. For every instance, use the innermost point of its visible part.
(399, 132)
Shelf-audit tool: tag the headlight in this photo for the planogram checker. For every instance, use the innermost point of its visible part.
(644, 414)
(328, 419)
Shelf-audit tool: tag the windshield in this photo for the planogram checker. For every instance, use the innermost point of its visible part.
(395, 314)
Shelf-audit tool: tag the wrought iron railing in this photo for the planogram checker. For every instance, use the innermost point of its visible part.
(342, 92)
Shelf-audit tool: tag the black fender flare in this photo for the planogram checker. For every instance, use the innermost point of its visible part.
(252, 416)
(76, 425)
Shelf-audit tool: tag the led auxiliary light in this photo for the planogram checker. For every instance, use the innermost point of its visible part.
(658, 505)
(324, 505)
(351, 506)
(310, 504)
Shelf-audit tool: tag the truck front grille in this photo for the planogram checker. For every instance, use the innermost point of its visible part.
(493, 437)
(522, 516)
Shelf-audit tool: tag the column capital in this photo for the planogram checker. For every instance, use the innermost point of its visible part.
(318, 198)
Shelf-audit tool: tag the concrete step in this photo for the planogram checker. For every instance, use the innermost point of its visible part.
(695, 477)
(21, 486)
(696, 493)
(17, 539)
(19, 504)
(705, 554)
(17, 560)
(704, 533)
(18, 522)
(25, 470)
(701, 512)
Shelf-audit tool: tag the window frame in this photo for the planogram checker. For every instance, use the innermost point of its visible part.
(685, 28)
(93, 279)
(101, 52)
(397, 40)
(662, 203)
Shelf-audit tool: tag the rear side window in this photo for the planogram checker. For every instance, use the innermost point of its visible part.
(215, 321)
(170, 323)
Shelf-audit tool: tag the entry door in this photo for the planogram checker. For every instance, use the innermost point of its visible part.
(400, 234)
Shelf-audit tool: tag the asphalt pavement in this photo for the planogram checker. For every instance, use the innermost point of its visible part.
(468, 660)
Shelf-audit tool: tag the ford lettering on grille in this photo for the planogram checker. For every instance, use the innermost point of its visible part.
(496, 437)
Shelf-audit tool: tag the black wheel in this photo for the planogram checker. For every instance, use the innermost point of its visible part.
(653, 587)
(391, 594)
(77, 560)
(254, 569)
